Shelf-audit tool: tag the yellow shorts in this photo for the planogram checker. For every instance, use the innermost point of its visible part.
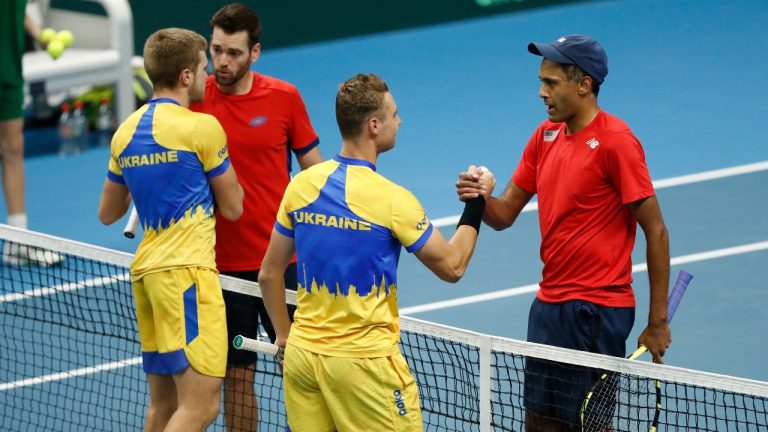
(182, 321)
(349, 394)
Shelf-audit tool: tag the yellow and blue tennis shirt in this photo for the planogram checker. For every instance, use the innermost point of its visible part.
(349, 223)
(165, 154)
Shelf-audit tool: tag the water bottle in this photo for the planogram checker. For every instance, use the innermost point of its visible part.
(79, 129)
(105, 124)
(65, 130)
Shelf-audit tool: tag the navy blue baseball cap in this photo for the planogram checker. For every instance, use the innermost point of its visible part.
(581, 50)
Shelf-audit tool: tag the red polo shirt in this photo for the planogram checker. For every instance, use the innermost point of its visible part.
(263, 127)
(584, 182)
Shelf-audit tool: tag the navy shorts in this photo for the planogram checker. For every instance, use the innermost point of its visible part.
(557, 390)
(245, 312)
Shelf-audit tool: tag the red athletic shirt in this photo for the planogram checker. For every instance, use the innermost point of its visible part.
(262, 127)
(584, 182)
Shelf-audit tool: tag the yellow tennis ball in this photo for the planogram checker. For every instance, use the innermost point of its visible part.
(47, 34)
(55, 48)
(66, 37)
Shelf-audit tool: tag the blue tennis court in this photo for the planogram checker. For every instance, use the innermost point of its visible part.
(687, 76)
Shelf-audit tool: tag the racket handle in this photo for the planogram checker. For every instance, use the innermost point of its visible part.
(638, 352)
(132, 226)
(248, 344)
(683, 279)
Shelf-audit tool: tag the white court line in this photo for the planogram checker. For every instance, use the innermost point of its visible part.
(70, 374)
(525, 289)
(658, 184)
(65, 287)
(702, 256)
(451, 220)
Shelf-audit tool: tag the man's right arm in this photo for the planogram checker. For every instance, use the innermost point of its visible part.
(501, 212)
(114, 202)
(271, 280)
(228, 194)
(448, 260)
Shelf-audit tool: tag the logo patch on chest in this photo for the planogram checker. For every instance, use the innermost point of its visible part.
(258, 121)
(550, 135)
(593, 143)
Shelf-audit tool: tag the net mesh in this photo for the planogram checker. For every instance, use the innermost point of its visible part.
(70, 361)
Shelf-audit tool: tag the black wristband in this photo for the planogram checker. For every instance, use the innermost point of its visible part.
(473, 213)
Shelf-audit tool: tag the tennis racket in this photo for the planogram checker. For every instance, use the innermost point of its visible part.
(597, 410)
(132, 226)
(248, 344)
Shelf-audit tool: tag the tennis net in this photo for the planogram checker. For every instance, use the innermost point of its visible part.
(70, 361)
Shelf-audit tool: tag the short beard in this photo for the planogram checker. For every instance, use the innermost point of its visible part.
(230, 81)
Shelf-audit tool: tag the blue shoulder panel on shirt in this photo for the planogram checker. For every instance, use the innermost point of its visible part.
(165, 184)
(338, 249)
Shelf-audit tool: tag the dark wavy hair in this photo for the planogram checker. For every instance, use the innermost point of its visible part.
(237, 17)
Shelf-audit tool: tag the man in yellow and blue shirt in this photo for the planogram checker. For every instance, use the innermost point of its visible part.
(173, 163)
(343, 369)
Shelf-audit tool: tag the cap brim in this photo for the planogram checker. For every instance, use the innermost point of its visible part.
(549, 52)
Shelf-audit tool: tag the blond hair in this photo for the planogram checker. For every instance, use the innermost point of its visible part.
(358, 99)
(169, 51)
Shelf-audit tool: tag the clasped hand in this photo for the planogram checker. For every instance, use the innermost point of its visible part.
(474, 182)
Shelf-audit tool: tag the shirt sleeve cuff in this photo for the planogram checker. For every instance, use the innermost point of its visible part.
(307, 148)
(283, 230)
(638, 196)
(219, 170)
(115, 178)
(418, 244)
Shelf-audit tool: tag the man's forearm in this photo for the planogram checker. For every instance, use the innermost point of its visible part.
(497, 214)
(274, 301)
(658, 275)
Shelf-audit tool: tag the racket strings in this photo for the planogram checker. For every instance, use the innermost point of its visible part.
(622, 402)
(600, 406)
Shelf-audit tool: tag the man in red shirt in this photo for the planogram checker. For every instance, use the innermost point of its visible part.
(265, 120)
(589, 172)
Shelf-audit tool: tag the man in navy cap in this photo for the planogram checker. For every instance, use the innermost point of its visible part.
(593, 186)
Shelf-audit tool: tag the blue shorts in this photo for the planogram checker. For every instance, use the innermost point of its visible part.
(557, 390)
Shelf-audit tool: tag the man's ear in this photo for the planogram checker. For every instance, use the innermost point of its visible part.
(585, 86)
(186, 77)
(255, 52)
(374, 125)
